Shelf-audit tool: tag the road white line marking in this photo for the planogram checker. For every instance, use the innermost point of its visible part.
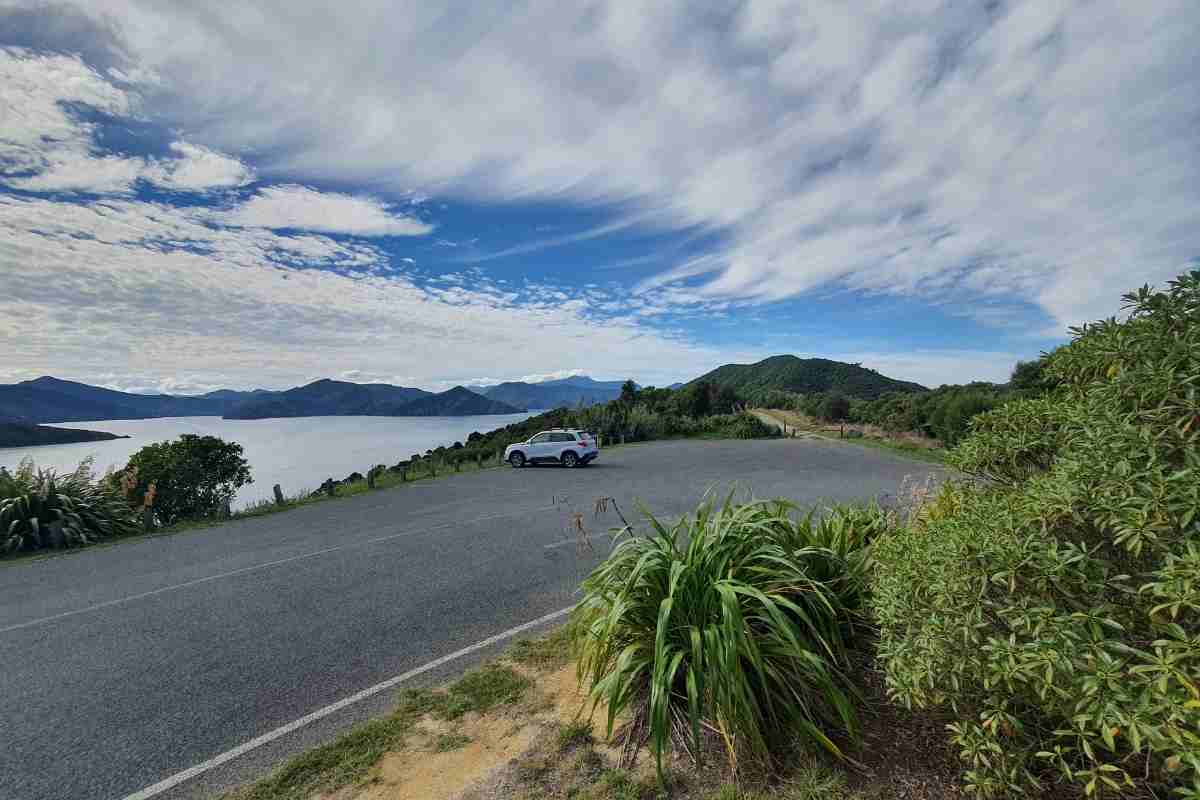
(242, 749)
(243, 570)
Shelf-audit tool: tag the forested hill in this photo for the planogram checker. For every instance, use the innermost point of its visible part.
(806, 376)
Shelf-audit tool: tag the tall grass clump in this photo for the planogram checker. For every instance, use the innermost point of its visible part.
(737, 620)
(1054, 608)
(41, 509)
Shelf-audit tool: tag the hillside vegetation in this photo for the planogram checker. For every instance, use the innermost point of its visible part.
(805, 376)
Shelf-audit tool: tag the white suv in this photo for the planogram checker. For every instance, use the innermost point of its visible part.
(570, 448)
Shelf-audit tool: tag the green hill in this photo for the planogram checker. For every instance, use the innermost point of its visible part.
(807, 376)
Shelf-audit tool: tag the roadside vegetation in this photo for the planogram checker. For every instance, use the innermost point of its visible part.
(1054, 607)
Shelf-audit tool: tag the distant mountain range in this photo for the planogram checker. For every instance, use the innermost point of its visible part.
(570, 392)
(328, 398)
(49, 399)
(807, 376)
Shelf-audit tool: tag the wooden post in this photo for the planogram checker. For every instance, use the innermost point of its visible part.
(371, 478)
(842, 431)
(147, 518)
(278, 495)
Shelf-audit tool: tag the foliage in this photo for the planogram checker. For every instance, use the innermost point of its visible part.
(806, 376)
(1055, 608)
(192, 476)
(835, 407)
(738, 617)
(40, 509)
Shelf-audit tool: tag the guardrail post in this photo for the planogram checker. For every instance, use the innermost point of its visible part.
(278, 495)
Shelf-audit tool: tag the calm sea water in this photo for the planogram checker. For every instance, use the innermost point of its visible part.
(297, 453)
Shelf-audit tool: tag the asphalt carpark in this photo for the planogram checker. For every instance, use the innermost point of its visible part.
(122, 666)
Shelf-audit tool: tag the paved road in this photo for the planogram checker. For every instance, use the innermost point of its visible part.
(123, 665)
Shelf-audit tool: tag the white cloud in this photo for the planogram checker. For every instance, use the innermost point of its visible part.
(292, 206)
(1044, 149)
(198, 169)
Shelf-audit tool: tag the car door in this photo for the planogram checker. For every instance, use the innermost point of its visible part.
(561, 443)
(541, 447)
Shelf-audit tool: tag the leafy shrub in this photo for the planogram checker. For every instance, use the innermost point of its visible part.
(1056, 608)
(40, 509)
(834, 407)
(192, 476)
(738, 616)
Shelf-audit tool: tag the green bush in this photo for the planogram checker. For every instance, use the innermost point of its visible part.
(192, 476)
(739, 617)
(1055, 608)
(40, 509)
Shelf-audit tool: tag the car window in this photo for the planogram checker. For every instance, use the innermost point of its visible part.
(541, 438)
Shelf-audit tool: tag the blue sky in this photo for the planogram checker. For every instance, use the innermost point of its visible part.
(197, 195)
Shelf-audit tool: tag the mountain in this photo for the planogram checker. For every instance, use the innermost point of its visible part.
(807, 375)
(328, 398)
(21, 434)
(457, 402)
(49, 399)
(571, 392)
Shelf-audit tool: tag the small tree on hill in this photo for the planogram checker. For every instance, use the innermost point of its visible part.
(835, 407)
(193, 476)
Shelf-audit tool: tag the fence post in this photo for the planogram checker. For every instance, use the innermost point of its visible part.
(278, 495)
(622, 437)
(842, 431)
(371, 478)
(147, 518)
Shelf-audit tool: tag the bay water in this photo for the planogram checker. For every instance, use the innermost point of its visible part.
(298, 453)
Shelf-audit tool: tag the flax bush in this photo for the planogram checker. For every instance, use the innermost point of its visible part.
(1055, 606)
(737, 618)
(41, 509)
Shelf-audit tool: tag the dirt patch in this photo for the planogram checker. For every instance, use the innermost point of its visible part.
(445, 758)
(423, 773)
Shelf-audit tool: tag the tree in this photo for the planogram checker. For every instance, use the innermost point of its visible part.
(1028, 377)
(193, 476)
(628, 393)
(835, 407)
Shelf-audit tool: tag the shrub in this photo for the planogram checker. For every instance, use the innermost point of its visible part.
(738, 616)
(1055, 609)
(834, 407)
(40, 509)
(193, 476)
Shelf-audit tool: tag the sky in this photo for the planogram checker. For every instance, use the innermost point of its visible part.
(200, 194)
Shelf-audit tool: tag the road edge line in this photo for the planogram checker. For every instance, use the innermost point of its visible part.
(266, 738)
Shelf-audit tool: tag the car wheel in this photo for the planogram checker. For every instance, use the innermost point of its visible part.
(517, 460)
(569, 459)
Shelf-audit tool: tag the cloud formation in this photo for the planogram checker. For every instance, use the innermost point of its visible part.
(1043, 149)
(292, 206)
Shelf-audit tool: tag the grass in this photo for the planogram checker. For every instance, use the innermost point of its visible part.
(548, 652)
(342, 762)
(446, 742)
(350, 758)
